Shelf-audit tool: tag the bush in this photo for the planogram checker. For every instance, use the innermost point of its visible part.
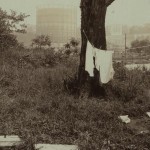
(128, 85)
(71, 84)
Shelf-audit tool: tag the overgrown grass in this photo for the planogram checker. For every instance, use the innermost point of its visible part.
(35, 106)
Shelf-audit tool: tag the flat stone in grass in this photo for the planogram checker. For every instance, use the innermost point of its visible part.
(9, 141)
(148, 113)
(125, 119)
(55, 147)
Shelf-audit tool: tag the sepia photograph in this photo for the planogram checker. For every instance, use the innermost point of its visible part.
(74, 74)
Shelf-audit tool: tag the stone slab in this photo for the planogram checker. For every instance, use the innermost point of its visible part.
(9, 141)
(148, 113)
(125, 119)
(55, 147)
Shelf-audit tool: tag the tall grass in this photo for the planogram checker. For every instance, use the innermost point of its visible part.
(35, 106)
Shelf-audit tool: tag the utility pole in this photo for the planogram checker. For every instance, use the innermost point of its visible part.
(125, 48)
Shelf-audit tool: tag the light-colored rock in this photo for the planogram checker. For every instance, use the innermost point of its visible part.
(148, 113)
(144, 132)
(125, 119)
(55, 147)
(9, 141)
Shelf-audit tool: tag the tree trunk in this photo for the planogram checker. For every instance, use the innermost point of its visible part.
(93, 13)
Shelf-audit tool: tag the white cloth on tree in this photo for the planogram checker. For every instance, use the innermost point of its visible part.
(103, 63)
(89, 63)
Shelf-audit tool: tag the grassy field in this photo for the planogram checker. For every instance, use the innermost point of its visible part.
(35, 105)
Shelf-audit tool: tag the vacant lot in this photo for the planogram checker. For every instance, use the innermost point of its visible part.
(35, 105)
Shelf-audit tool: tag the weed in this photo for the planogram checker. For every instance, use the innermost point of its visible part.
(35, 106)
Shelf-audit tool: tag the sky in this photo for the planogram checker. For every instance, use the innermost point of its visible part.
(128, 12)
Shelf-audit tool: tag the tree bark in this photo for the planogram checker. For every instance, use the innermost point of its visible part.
(85, 13)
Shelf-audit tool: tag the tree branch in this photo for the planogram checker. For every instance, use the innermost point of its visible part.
(108, 2)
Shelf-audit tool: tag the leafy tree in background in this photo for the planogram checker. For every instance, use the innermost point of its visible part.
(9, 24)
(67, 45)
(71, 47)
(41, 41)
(137, 44)
(74, 42)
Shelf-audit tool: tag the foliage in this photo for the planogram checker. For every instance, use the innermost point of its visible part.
(9, 24)
(74, 42)
(139, 43)
(72, 48)
(128, 84)
(34, 105)
(41, 41)
(67, 45)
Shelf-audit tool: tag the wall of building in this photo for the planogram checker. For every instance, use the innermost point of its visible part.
(59, 23)
(27, 38)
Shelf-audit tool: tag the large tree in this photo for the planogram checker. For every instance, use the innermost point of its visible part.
(41, 41)
(9, 24)
(93, 13)
(140, 45)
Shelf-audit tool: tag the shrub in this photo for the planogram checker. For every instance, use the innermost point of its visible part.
(128, 85)
(71, 84)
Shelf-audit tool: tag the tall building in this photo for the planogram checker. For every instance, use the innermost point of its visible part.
(27, 38)
(115, 29)
(115, 35)
(60, 23)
